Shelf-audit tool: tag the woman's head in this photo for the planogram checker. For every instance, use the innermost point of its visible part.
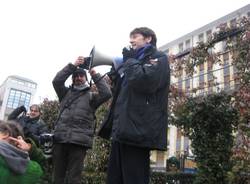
(10, 129)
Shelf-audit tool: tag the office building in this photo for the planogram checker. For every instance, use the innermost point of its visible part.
(14, 92)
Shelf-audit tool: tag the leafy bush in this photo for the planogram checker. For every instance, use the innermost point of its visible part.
(171, 178)
(209, 122)
(155, 178)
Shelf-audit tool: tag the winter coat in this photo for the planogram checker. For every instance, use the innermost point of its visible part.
(32, 127)
(75, 123)
(139, 114)
(16, 167)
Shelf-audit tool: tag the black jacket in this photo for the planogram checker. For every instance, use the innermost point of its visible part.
(77, 109)
(140, 110)
(32, 127)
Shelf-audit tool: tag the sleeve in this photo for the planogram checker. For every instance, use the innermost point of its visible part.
(36, 154)
(60, 78)
(147, 77)
(103, 94)
(15, 113)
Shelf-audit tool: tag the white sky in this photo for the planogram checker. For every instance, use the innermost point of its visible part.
(39, 37)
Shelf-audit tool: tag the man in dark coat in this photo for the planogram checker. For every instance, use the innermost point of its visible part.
(32, 124)
(139, 109)
(74, 129)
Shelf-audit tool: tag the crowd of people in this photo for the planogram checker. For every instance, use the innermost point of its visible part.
(136, 122)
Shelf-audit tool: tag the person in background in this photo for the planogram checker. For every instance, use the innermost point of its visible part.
(16, 167)
(138, 112)
(32, 124)
(75, 127)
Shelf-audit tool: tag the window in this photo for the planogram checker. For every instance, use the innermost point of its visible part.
(201, 78)
(187, 86)
(186, 144)
(178, 141)
(210, 76)
(188, 44)
(201, 37)
(233, 23)
(248, 14)
(226, 64)
(226, 82)
(167, 51)
(209, 34)
(181, 47)
(18, 98)
(180, 83)
(226, 71)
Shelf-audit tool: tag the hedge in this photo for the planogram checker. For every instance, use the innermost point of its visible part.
(155, 178)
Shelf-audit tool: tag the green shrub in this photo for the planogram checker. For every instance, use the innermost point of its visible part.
(155, 178)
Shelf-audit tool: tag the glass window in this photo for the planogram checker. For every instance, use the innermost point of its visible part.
(226, 69)
(18, 98)
(181, 47)
(209, 34)
(233, 23)
(201, 37)
(188, 45)
(227, 82)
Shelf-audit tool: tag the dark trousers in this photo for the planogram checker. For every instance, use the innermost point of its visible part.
(68, 163)
(128, 165)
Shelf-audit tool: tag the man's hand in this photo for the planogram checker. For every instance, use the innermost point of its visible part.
(92, 72)
(128, 53)
(20, 143)
(79, 61)
(23, 109)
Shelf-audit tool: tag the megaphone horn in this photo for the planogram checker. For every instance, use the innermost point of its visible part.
(97, 59)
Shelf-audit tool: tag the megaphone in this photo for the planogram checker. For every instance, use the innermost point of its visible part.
(97, 58)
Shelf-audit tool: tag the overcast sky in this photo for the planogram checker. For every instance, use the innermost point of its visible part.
(39, 37)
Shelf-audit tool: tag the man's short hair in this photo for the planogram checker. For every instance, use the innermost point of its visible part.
(36, 106)
(146, 32)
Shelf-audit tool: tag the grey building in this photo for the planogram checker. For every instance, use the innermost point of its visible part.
(14, 92)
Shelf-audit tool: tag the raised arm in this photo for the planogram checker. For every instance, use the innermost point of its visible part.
(103, 90)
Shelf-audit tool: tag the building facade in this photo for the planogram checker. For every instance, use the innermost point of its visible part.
(223, 75)
(14, 92)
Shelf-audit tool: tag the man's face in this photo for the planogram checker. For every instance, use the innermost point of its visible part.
(138, 40)
(79, 79)
(34, 112)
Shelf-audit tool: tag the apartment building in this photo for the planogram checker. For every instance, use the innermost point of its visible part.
(14, 92)
(223, 75)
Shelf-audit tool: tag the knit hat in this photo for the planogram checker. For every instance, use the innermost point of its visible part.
(79, 71)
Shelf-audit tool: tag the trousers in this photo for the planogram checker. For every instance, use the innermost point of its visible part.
(68, 163)
(128, 164)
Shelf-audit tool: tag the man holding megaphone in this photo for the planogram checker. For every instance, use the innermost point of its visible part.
(138, 113)
(74, 128)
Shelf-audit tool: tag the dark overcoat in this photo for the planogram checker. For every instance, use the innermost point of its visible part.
(139, 114)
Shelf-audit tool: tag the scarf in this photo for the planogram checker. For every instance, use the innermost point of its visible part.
(16, 159)
(80, 87)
